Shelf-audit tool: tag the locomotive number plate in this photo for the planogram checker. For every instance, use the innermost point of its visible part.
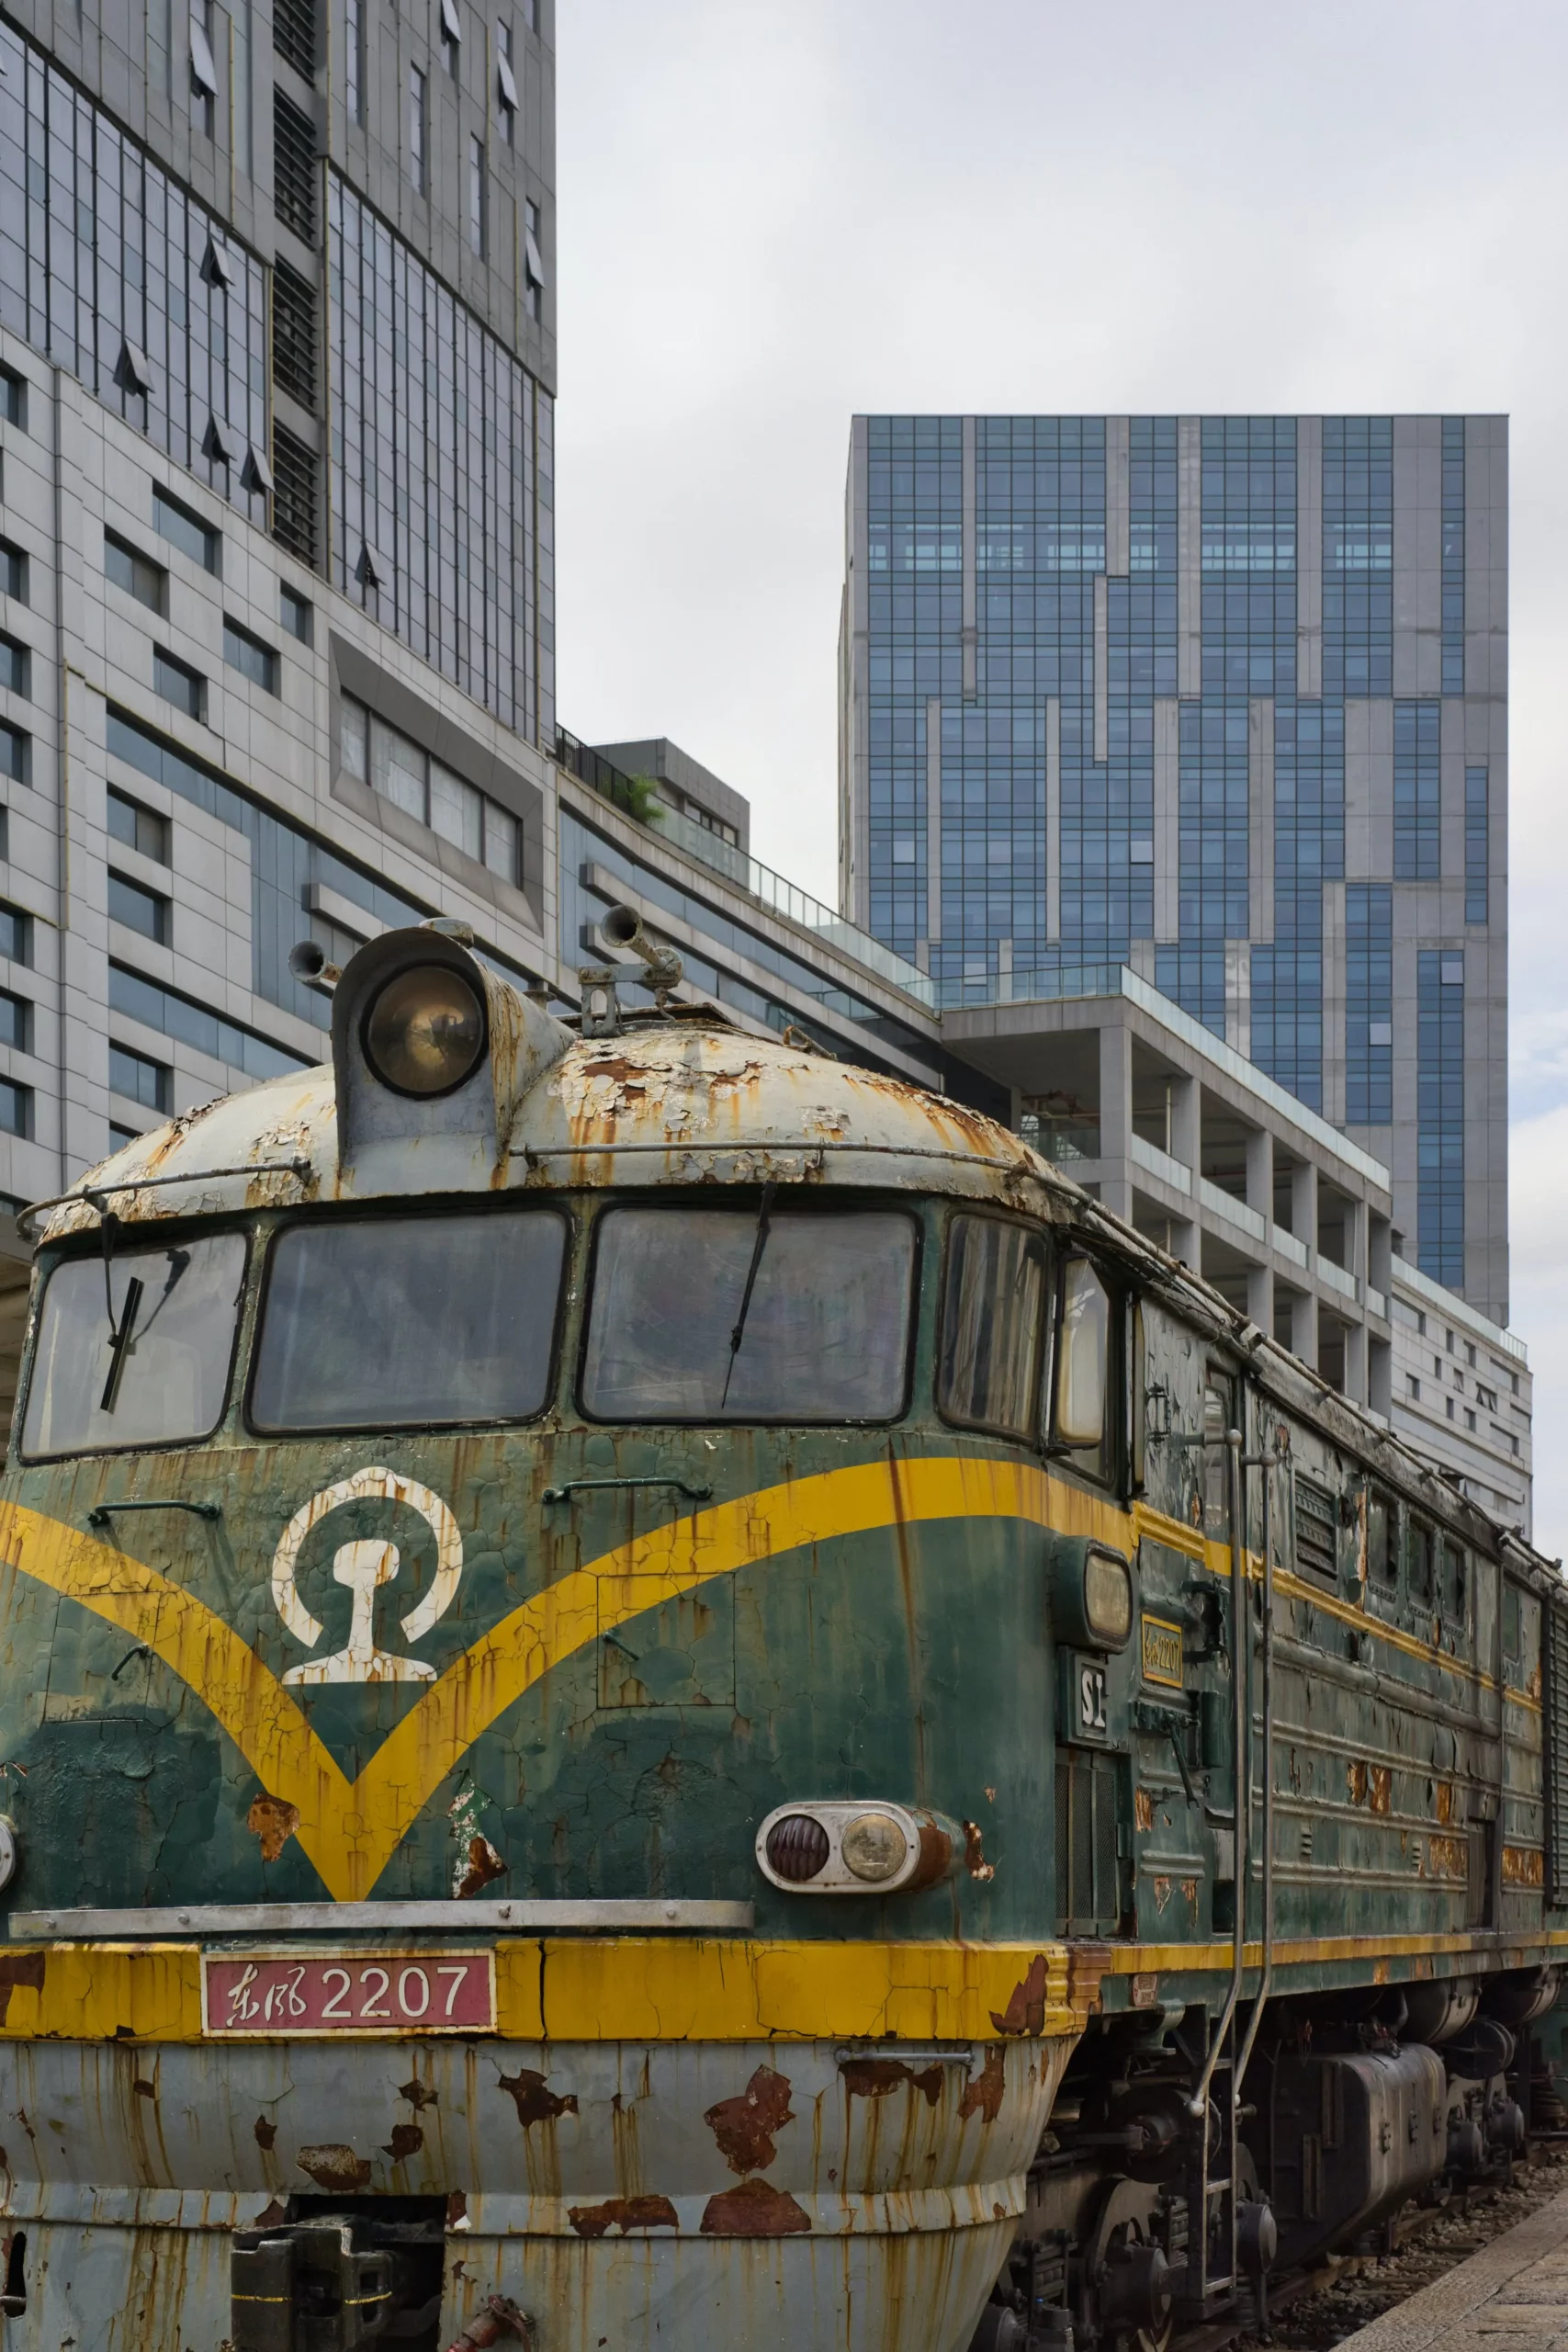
(348, 1992)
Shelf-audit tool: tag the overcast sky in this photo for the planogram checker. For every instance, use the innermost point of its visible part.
(771, 217)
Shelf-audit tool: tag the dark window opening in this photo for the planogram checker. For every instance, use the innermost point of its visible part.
(15, 668)
(991, 1315)
(140, 829)
(1419, 1550)
(179, 683)
(137, 574)
(138, 908)
(294, 498)
(294, 35)
(1382, 1560)
(186, 531)
(250, 656)
(140, 1079)
(294, 168)
(294, 333)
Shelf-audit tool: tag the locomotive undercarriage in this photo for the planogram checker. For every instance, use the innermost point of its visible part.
(1354, 2107)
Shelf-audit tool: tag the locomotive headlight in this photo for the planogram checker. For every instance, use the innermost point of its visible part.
(1107, 1599)
(426, 1031)
(1092, 1594)
(874, 1846)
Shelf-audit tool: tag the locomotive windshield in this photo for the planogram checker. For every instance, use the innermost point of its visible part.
(388, 1319)
(137, 1351)
(742, 1314)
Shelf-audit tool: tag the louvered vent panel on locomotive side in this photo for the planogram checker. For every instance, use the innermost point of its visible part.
(1555, 1659)
(1315, 1530)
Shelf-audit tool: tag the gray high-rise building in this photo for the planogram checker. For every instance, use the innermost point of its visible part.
(276, 383)
(1223, 700)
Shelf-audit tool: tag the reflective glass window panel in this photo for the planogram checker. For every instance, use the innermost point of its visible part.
(139, 909)
(140, 1358)
(821, 1305)
(397, 769)
(991, 1324)
(1083, 1356)
(502, 843)
(186, 531)
(136, 573)
(455, 809)
(377, 1322)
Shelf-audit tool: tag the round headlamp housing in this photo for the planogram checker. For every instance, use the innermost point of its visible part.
(426, 1031)
(857, 1846)
(1092, 1594)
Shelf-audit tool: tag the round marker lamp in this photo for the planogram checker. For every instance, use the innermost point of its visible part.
(425, 1033)
(873, 1846)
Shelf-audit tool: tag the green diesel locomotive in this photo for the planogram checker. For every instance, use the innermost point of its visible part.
(663, 1694)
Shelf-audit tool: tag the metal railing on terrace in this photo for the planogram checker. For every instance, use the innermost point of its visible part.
(739, 868)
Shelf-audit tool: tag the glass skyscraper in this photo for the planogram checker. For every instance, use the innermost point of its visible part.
(1223, 700)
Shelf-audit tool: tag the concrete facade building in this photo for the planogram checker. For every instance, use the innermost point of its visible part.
(1223, 700)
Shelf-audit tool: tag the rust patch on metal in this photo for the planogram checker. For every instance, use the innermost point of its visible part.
(1523, 1866)
(1445, 1793)
(1356, 1780)
(1449, 1858)
(1189, 1889)
(535, 2100)
(984, 2095)
(974, 1861)
(457, 2211)
(19, 1968)
(334, 2167)
(1143, 1810)
(1146, 1991)
(274, 1822)
(407, 2139)
(484, 1864)
(1162, 1893)
(418, 2095)
(744, 2127)
(144, 2090)
(936, 1858)
(875, 2078)
(623, 2213)
(266, 2131)
(1379, 1787)
(272, 2215)
(753, 2210)
(1025, 2011)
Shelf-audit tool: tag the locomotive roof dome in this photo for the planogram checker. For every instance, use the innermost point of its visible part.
(676, 1100)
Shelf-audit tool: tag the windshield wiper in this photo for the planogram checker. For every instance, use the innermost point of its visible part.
(122, 1335)
(759, 1242)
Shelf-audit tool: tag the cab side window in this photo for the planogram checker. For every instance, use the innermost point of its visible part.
(1418, 1552)
(1382, 1551)
(1082, 1384)
(992, 1310)
(1455, 1584)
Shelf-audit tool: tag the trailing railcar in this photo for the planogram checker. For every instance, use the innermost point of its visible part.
(661, 1692)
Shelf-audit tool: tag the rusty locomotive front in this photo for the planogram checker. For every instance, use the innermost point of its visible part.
(661, 1693)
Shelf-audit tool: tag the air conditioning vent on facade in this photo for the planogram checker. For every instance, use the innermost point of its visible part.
(294, 495)
(294, 168)
(1315, 1530)
(294, 35)
(294, 334)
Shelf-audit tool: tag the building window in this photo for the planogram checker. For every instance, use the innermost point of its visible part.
(177, 1016)
(1475, 845)
(294, 333)
(353, 62)
(186, 531)
(533, 259)
(16, 1022)
(476, 196)
(13, 398)
(296, 613)
(294, 167)
(16, 1108)
(137, 574)
(119, 1135)
(250, 656)
(179, 683)
(1413, 1384)
(16, 934)
(1357, 556)
(13, 572)
(1417, 792)
(15, 668)
(505, 78)
(16, 754)
(139, 909)
(401, 773)
(1369, 1004)
(140, 829)
(530, 15)
(1439, 1098)
(140, 1079)
(419, 125)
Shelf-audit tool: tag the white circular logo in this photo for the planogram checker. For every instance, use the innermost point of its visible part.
(365, 1568)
